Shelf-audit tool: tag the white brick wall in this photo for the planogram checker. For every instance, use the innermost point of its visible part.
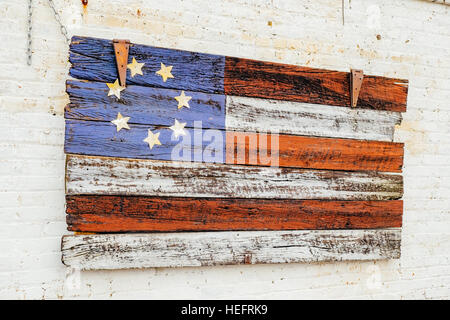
(414, 44)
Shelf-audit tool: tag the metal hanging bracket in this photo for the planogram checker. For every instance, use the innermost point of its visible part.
(355, 85)
(121, 48)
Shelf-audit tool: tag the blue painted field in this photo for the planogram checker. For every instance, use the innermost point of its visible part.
(97, 138)
(93, 59)
(144, 105)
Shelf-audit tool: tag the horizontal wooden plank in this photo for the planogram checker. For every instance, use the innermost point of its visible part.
(144, 105)
(312, 152)
(252, 78)
(98, 175)
(142, 214)
(94, 59)
(122, 251)
(102, 139)
(297, 118)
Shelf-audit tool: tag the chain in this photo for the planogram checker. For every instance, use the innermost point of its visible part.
(30, 26)
(58, 19)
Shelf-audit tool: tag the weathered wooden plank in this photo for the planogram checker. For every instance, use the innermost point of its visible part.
(109, 176)
(122, 251)
(252, 78)
(141, 214)
(102, 139)
(93, 59)
(297, 118)
(311, 152)
(144, 105)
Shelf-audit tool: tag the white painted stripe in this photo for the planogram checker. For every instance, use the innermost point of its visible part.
(287, 117)
(121, 251)
(101, 175)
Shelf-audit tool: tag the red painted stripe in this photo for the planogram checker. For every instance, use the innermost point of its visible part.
(311, 152)
(141, 214)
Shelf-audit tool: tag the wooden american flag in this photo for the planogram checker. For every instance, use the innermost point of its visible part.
(205, 159)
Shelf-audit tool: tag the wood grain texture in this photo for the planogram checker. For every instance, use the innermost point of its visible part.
(144, 105)
(102, 139)
(252, 78)
(311, 152)
(109, 176)
(122, 251)
(149, 214)
(93, 59)
(297, 118)
(157, 106)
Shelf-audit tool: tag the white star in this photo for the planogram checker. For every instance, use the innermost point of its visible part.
(121, 122)
(165, 72)
(178, 129)
(152, 139)
(135, 67)
(183, 100)
(115, 88)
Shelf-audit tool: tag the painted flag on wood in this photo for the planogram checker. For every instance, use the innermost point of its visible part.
(266, 162)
